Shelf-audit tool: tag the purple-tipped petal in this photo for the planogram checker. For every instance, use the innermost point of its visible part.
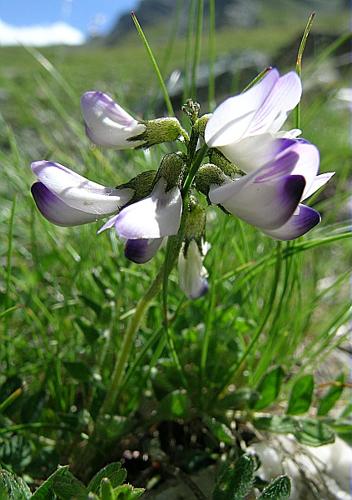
(78, 192)
(156, 216)
(107, 124)
(96, 102)
(278, 167)
(141, 251)
(307, 164)
(300, 223)
(267, 205)
(55, 210)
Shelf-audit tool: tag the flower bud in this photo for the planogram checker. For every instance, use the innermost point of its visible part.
(171, 169)
(208, 175)
(158, 131)
(201, 123)
(229, 169)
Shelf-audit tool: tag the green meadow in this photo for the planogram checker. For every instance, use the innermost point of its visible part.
(275, 313)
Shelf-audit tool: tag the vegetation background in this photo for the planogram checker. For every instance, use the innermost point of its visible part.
(66, 294)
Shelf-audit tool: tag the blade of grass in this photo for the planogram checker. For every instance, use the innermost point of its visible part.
(197, 48)
(299, 63)
(212, 55)
(158, 74)
(8, 281)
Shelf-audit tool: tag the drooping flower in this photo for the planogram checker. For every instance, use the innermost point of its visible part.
(144, 224)
(269, 197)
(192, 275)
(243, 127)
(108, 124)
(66, 198)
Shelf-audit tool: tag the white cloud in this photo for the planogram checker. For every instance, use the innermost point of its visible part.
(40, 35)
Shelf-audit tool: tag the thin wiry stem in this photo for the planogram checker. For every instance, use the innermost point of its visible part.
(302, 46)
(167, 100)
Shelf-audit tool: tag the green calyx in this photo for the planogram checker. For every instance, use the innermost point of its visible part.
(229, 169)
(158, 131)
(171, 169)
(207, 175)
(195, 224)
(201, 123)
(142, 185)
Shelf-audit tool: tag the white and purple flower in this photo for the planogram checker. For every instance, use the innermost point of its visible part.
(66, 198)
(108, 124)
(243, 127)
(269, 197)
(144, 224)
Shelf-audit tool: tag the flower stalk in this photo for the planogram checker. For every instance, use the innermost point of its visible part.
(127, 344)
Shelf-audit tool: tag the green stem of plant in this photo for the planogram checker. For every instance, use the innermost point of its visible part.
(127, 344)
(194, 168)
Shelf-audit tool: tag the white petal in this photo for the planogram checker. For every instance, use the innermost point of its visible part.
(192, 274)
(107, 124)
(284, 96)
(303, 220)
(156, 216)
(317, 183)
(79, 192)
(250, 153)
(231, 120)
(56, 211)
(307, 164)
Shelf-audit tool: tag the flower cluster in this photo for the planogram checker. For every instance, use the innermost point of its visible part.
(254, 171)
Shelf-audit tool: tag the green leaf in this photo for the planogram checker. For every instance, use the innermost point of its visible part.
(45, 490)
(276, 423)
(236, 481)
(67, 487)
(269, 388)
(313, 432)
(78, 370)
(301, 395)
(307, 431)
(113, 472)
(331, 397)
(278, 489)
(238, 400)
(219, 430)
(12, 487)
(127, 492)
(175, 405)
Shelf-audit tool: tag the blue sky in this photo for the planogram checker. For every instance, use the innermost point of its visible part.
(84, 15)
